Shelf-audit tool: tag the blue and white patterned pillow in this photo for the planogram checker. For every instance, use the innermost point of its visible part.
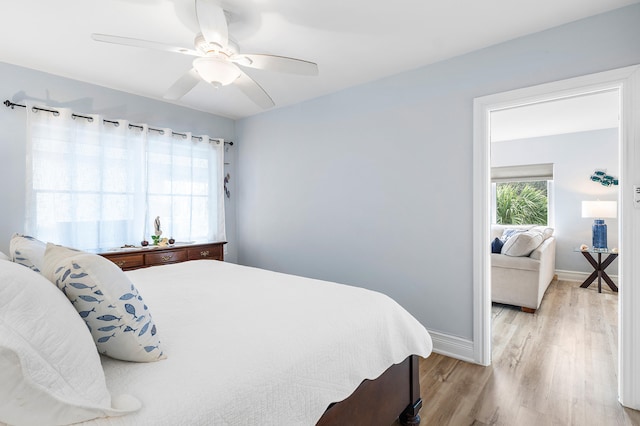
(510, 232)
(120, 323)
(27, 251)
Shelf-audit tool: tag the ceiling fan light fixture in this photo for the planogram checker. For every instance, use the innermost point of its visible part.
(215, 70)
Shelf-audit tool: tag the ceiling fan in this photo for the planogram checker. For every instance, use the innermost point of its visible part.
(218, 61)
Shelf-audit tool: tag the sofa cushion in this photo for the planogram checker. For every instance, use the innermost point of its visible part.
(516, 263)
(522, 243)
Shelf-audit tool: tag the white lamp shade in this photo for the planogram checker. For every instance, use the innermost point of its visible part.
(216, 71)
(600, 209)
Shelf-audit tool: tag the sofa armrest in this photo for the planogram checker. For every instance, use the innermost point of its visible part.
(522, 281)
(548, 246)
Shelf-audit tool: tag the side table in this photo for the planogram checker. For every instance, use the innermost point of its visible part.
(599, 267)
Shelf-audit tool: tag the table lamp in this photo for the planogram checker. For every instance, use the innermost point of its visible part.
(599, 210)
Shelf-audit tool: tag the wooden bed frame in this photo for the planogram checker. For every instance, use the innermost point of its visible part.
(395, 394)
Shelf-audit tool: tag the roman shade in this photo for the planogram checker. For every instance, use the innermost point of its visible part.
(522, 173)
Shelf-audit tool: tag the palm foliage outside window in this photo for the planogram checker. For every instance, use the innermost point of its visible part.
(520, 203)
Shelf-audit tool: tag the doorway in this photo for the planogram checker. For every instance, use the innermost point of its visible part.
(544, 157)
(627, 82)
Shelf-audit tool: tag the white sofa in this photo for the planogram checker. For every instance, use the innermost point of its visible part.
(523, 280)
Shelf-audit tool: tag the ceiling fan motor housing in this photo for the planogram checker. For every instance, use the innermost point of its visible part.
(205, 47)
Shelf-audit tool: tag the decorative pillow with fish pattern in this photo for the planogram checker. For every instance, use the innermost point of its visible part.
(111, 306)
(27, 251)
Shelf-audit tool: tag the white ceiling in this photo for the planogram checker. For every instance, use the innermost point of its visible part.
(591, 111)
(353, 41)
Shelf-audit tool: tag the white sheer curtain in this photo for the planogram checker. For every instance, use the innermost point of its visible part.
(182, 189)
(96, 184)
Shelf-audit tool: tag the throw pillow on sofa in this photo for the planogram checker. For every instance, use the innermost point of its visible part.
(496, 245)
(522, 243)
(510, 232)
(546, 232)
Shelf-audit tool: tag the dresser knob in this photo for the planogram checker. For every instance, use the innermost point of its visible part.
(121, 263)
(167, 258)
(204, 253)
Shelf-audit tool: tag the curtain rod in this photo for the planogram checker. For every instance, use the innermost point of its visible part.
(12, 105)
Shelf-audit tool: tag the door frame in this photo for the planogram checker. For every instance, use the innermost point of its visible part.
(627, 81)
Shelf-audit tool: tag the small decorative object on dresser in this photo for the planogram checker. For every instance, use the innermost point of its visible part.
(157, 233)
(142, 258)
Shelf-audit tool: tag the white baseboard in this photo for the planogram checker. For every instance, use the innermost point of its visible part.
(579, 276)
(452, 346)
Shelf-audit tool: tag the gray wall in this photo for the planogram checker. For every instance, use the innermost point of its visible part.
(18, 84)
(372, 186)
(575, 156)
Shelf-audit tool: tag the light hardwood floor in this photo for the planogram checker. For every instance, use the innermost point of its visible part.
(556, 367)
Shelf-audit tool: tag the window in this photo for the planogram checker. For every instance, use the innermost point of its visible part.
(180, 187)
(521, 194)
(93, 183)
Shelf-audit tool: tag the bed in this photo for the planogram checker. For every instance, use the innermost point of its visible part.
(248, 346)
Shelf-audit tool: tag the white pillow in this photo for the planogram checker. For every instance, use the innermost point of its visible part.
(510, 232)
(119, 321)
(27, 251)
(546, 232)
(4, 256)
(522, 243)
(50, 371)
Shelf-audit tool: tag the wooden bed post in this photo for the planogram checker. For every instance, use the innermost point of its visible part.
(411, 415)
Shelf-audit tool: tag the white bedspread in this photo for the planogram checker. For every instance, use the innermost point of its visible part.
(247, 346)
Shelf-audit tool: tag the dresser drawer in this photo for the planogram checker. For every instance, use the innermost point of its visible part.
(151, 256)
(165, 256)
(127, 261)
(213, 251)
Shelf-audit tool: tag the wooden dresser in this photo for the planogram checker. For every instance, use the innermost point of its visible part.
(129, 259)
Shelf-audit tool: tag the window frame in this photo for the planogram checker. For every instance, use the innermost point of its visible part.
(524, 173)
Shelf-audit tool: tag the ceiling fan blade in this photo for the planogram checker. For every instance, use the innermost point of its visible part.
(276, 63)
(183, 85)
(213, 23)
(146, 44)
(253, 91)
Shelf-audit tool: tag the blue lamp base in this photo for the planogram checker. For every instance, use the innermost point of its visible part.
(599, 234)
